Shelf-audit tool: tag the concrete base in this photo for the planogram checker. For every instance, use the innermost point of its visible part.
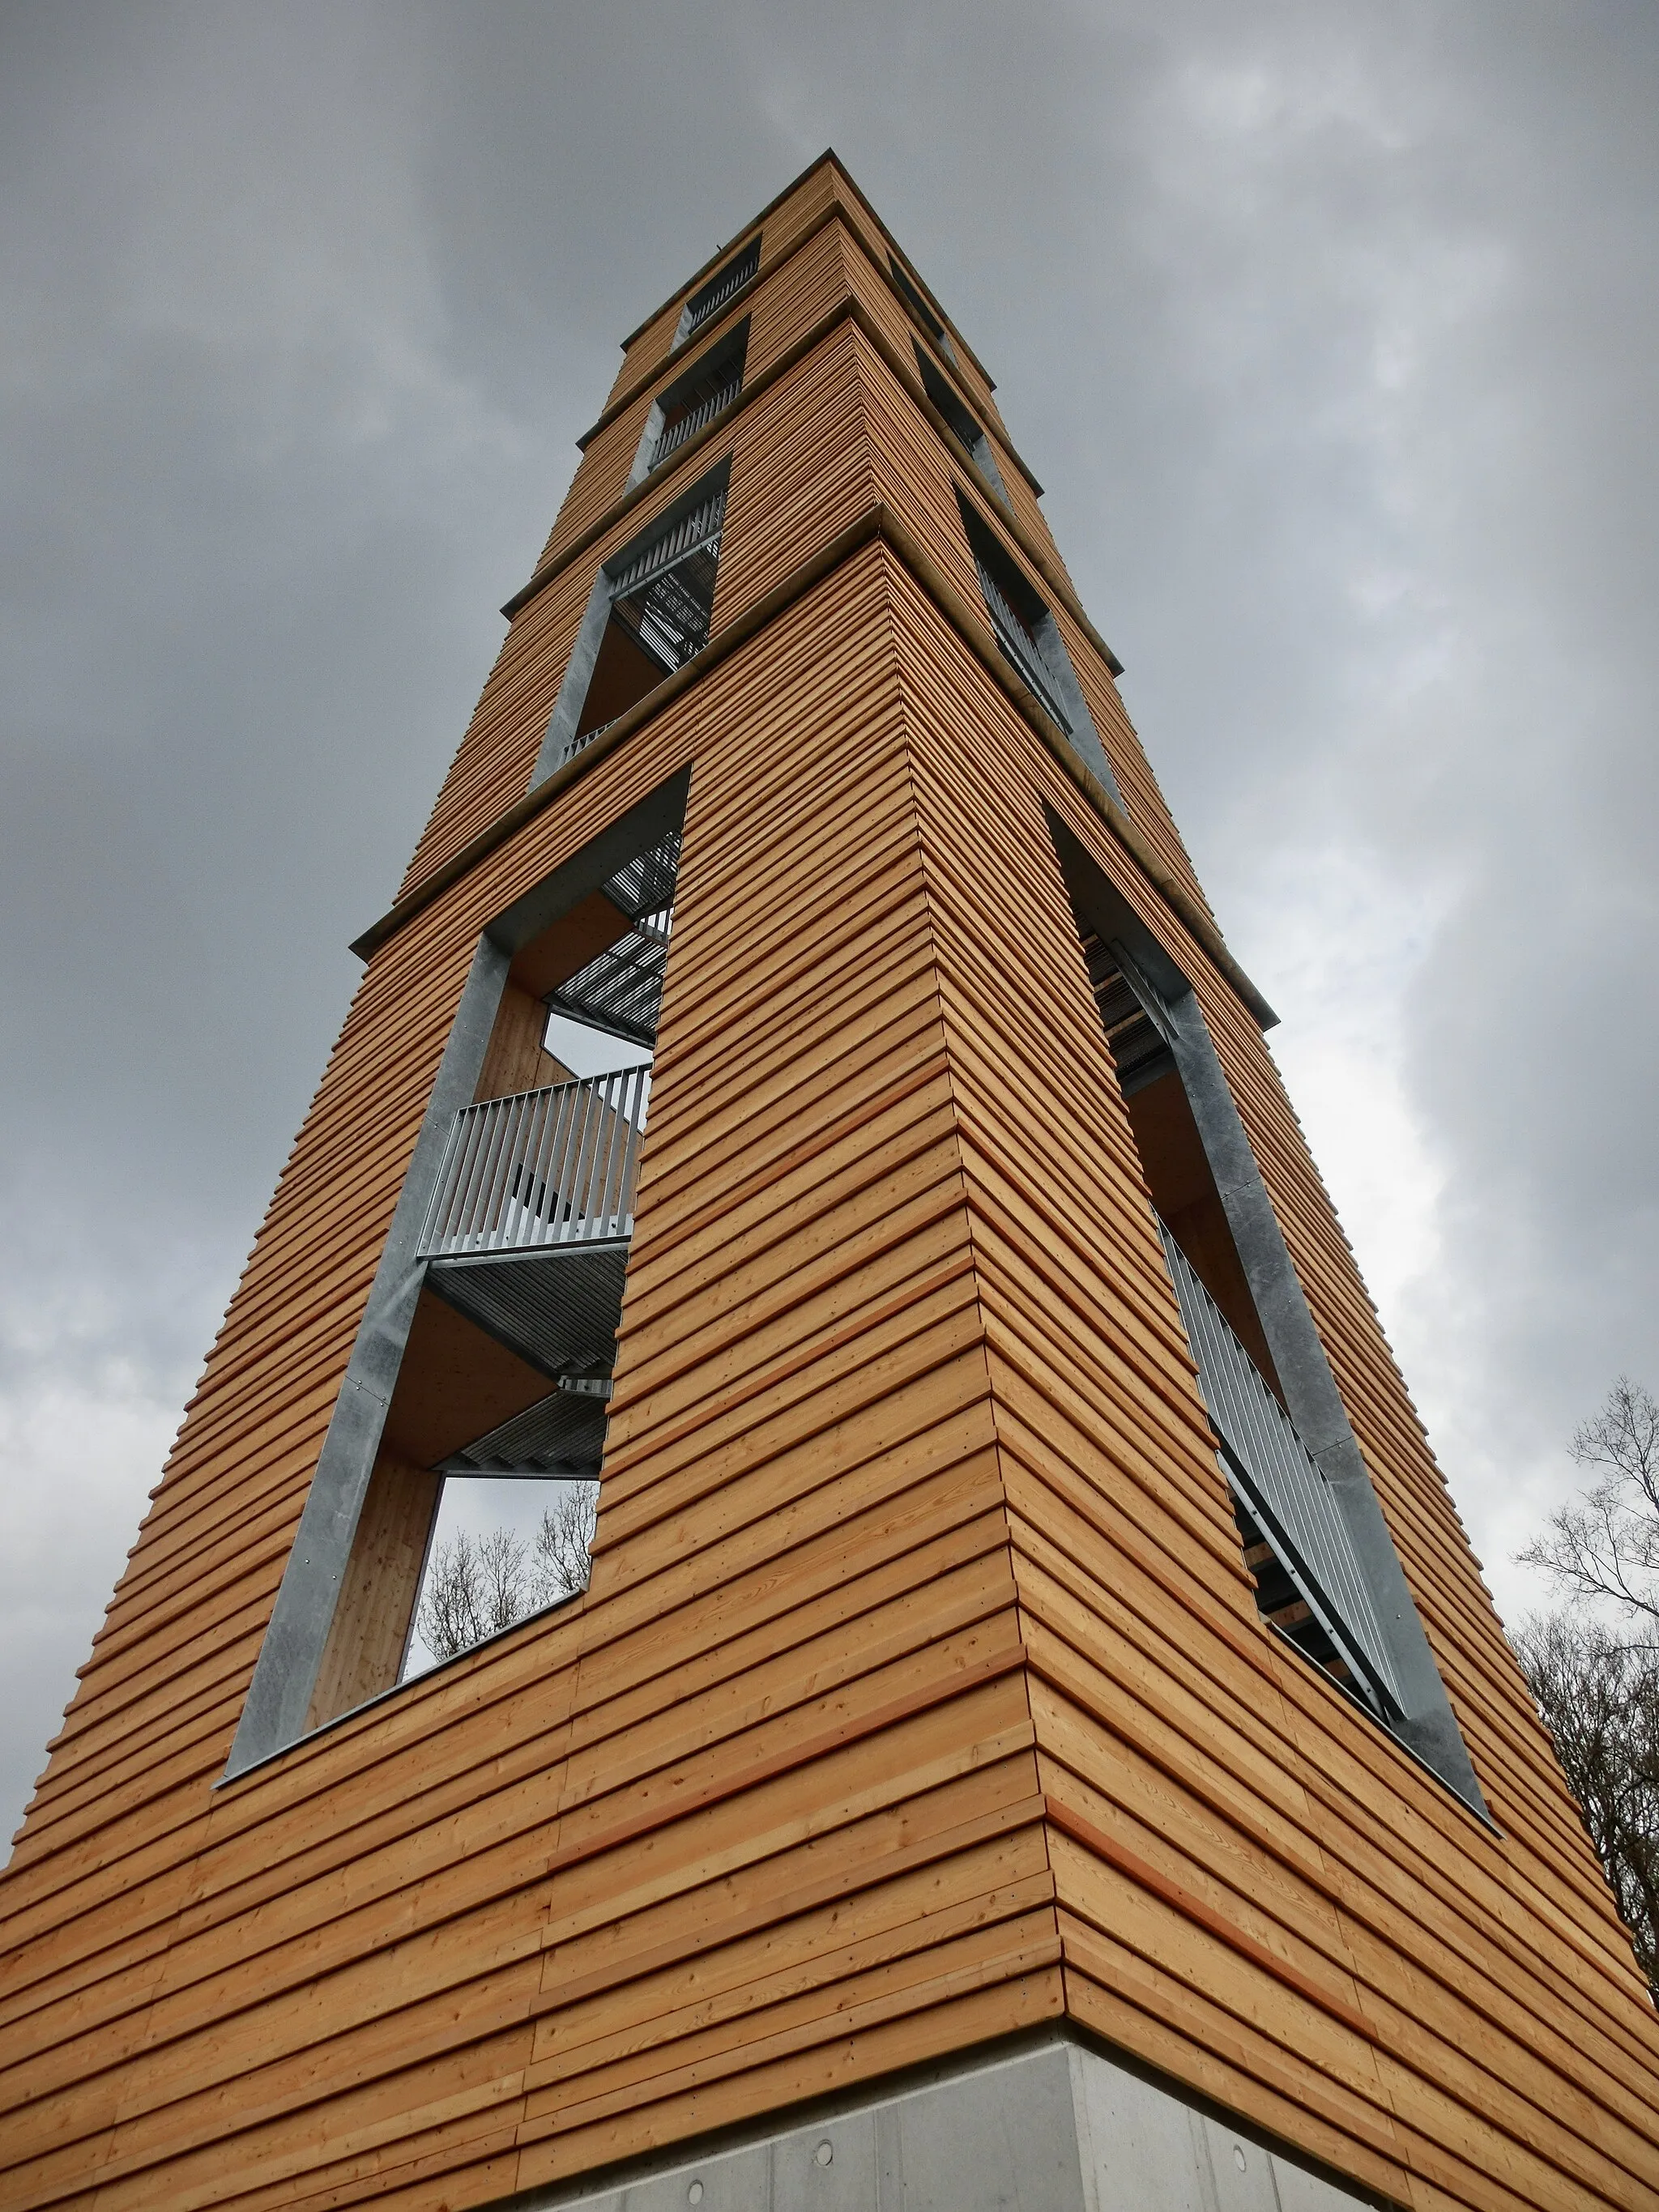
(1049, 2127)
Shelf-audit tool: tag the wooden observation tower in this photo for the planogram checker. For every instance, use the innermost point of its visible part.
(1036, 1734)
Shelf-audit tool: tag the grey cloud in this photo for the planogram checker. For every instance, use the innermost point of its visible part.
(1330, 329)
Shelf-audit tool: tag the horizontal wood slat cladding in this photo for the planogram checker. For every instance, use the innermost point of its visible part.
(865, 277)
(800, 439)
(920, 1694)
(878, 243)
(782, 303)
(825, 191)
(781, 227)
(838, 430)
(606, 1785)
(493, 765)
(916, 476)
(831, 266)
(1515, 2081)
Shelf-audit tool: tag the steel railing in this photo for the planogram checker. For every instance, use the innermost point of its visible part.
(693, 420)
(587, 737)
(541, 1168)
(1282, 1484)
(720, 288)
(697, 531)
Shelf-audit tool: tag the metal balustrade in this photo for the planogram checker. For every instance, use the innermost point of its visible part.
(540, 1169)
(697, 530)
(720, 286)
(1281, 1483)
(585, 738)
(692, 419)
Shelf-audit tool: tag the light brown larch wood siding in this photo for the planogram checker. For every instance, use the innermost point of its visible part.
(920, 1694)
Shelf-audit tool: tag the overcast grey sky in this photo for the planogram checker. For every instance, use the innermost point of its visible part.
(1330, 329)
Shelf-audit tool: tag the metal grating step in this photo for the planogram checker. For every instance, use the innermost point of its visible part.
(647, 885)
(562, 1436)
(620, 990)
(558, 1310)
(1139, 1050)
(669, 617)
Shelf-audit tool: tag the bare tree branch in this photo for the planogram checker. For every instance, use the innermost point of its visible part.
(474, 1589)
(502, 1571)
(1624, 1437)
(1598, 1694)
(560, 1566)
(1605, 1545)
(452, 1612)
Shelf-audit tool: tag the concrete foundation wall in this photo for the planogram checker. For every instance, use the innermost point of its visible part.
(1054, 2128)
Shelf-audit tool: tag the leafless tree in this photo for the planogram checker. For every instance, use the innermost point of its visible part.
(1605, 1544)
(1593, 1668)
(475, 1587)
(560, 1564)
(473, 1590)
(1599, 1696)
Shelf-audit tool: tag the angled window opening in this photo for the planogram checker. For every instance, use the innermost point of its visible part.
(501, 1547)
(1031, 644)
(490, 1459)
(924, 313)
(944, 395)
(650, 611)
(727, 281)
(467, 1504)
(1308, 1583)
(1313, 1536)
(707, 388)
(1024, 628)
(1172, 1156)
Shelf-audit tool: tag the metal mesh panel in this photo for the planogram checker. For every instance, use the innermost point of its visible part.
(1283, 1488)
(541, 1168)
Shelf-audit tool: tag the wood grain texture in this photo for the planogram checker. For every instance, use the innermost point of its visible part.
(920, 1693)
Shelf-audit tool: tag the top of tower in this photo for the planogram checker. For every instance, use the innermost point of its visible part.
(827, 159)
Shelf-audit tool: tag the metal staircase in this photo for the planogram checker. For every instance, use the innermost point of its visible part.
(620, 990)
